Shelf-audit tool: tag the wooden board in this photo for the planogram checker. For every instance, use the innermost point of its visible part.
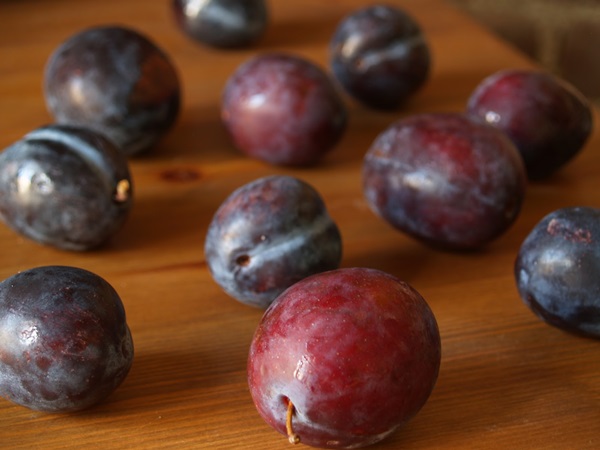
(507, 380)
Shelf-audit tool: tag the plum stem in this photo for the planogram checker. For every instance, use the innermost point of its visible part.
(292, 437)
(122, 191)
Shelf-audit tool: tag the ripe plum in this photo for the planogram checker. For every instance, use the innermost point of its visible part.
(548, 119)
(222, 23)
(65, 342)
(343, 358)
(65, 186)
(116, 81)
(267, 235)
(557, 270)
(445, 179)
(283, 109)
(380, 56)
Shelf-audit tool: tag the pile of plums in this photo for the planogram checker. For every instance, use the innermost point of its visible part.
(113, 93)
(454, 181)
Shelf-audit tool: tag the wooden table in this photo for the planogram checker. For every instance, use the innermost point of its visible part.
(507, 380)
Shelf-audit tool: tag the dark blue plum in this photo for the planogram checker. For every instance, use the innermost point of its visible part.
(380, 56)
(557, 270)
(222, 23)
(65, 342)
(116, 81)
(269, 234)
(65, 186)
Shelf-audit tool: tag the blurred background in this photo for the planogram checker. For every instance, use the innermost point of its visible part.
(562, 35)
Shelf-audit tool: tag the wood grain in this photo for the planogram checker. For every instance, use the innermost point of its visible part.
(507, 380)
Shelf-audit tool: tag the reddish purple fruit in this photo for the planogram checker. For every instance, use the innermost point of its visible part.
(343, 358)
(445, 179)
(548, 120)
(283, 109)
(65, 342)
(116, 81)
(269, 234)
(380, 56)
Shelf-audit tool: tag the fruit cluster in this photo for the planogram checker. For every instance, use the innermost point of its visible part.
(454, 181)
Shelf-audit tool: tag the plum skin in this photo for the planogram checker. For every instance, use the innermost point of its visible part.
(380, 56)
(65, 186)
(445, 179)
(547, 118)
(116, 81)
(557, 270)
(355, 350)
(65, 342)
(283, 109)
(267, 235)
(223, 24)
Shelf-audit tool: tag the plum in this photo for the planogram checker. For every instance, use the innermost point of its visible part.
(65, 186)
(65, 341)
(222, 23)
(283, 109)
(343, 358)
(116, 81)
(267, 235)
(547, 118)
(557, 270)
(445, 179)
(380, 56)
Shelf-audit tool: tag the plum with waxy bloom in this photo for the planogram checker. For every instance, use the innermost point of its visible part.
(65, 341)
(557, 270)
(115, 81)
(269, 234)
